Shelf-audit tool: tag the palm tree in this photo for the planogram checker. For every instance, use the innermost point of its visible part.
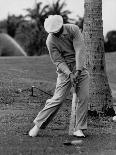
(38, 13)
(100, 93)
(58, 8)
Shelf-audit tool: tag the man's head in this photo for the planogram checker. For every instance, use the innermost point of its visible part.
(53, 24)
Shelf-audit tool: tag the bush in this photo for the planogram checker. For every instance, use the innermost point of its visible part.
(32, 38)
(110, 42)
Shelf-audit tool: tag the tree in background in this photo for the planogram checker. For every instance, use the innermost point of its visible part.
(110, 41)
(3, 26)
(38, 13)
(31, 38)
(58, 8)
(100, 93)
(12, 24)
(31, 34)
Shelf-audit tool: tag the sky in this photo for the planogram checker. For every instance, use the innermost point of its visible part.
(18, 7)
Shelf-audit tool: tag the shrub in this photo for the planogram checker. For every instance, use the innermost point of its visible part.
(31, 38)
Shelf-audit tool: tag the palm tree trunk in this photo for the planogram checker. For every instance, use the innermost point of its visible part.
(100, 93)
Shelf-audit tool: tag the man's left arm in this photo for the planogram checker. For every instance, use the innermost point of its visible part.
(78, 43)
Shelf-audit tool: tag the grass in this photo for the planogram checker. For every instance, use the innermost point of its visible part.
(20, 73)
(18, 107)
(33, 69)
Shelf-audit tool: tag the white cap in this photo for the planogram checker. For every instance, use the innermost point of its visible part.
(53, 23)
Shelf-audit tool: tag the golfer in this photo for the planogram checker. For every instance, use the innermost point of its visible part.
(66, 47)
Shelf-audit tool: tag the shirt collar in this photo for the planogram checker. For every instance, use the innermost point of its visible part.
(64, 31)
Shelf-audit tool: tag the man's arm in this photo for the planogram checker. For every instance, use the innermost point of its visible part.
(57, 58)
(78, 43)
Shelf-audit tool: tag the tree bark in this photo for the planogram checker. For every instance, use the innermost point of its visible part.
(100, 92)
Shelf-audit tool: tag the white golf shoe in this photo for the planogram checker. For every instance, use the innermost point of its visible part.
(34, 131)
(114, 118)
(79, 133)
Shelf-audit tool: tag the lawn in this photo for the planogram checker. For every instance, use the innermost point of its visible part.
(19, 106)
(111, 71)
(31, 70)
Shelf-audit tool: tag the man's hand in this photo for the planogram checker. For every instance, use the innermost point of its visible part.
(77, 74)
(73, 78)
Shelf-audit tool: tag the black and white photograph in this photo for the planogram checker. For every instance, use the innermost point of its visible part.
(57, 77)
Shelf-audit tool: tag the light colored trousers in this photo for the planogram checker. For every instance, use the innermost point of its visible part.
(63, 87)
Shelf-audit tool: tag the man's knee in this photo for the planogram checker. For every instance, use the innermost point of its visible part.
(54, 101)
